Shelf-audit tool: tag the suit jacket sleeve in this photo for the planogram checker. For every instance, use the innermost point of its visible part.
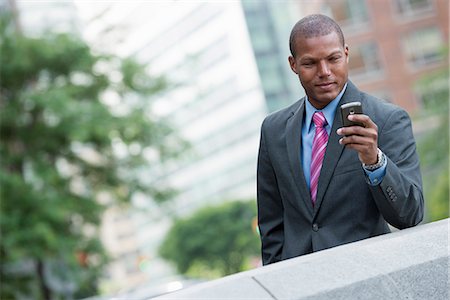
(270, 209)
(399, 197)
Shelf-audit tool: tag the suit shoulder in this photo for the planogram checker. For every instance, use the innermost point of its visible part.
(380, 106)
(380, 110)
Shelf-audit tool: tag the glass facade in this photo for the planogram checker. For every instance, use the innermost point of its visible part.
(269, 24)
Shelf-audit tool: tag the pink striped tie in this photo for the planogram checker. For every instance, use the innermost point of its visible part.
(318, 152)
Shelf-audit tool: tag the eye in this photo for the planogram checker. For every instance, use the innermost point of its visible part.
(334, 58)
(308, 63)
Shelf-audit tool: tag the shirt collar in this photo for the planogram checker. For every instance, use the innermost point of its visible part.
(328, 111)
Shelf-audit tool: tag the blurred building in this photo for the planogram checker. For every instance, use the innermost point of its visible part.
(392, 43)
(228, 65)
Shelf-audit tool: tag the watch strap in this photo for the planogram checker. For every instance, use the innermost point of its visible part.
(380, 161)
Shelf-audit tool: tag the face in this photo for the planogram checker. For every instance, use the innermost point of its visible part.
(322, 67)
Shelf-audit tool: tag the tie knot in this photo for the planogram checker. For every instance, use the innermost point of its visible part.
(319, 119)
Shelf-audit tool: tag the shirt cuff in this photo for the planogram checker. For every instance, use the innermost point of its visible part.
(375, 177)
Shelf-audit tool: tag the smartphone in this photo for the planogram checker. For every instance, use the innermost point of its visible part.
(350, 109)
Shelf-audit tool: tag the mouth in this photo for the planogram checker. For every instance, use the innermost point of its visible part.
(325, 84)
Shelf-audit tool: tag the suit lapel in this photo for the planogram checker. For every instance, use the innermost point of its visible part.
(293, 144)
(334, 149)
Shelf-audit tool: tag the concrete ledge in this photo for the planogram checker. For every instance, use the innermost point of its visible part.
(408, 264)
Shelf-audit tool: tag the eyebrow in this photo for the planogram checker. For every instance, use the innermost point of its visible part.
(314, 58)
(334, 53)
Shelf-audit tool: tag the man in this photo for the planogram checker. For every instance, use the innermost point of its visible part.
(325, 185)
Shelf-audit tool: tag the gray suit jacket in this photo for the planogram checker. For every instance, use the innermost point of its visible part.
(347, 208)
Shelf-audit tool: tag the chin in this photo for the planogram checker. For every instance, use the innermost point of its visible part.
(328, 97)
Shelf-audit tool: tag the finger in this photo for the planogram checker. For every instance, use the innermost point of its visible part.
(357, 140)
(360, 148)
(363, 119)
(349, 130)
(359, 131)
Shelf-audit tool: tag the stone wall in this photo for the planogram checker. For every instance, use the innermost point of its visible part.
(407, 264)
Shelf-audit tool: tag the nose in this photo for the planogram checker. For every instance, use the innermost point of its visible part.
(324, 69)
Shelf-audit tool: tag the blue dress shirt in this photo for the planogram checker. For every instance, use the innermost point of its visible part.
(308, 131)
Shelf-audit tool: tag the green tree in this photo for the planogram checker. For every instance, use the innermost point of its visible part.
(72, 125)
(433, 145)
(214, 241)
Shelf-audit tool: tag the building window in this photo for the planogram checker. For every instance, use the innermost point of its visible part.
(364, 60)
(412, 7)
(349, 13)
(423, 46)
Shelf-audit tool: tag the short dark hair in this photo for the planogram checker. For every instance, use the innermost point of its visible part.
(313, 26)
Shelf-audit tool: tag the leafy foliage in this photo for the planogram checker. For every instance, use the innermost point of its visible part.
(434, 146)
(72, 125)
(214, 241)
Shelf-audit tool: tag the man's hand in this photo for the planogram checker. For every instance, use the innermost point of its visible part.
(362, 139)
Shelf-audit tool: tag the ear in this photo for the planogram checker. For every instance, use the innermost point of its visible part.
(292, 64)
(346, 52)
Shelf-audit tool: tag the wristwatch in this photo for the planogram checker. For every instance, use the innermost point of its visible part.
(380, 161)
